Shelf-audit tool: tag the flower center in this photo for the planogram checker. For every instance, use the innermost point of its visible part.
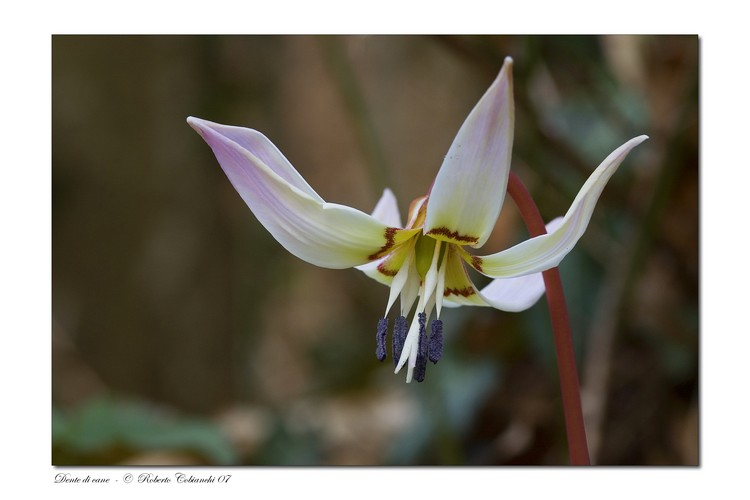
(420, 278)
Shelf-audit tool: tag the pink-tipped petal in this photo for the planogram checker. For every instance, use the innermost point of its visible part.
(324, 234)
(469, 189)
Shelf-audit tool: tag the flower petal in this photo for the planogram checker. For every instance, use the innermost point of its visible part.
(392, 270)
(508, 294)
(546, 251)
(371, 271)
(468, 192)
(519, 293)
(324, 234)
(459, 289)
(514, 294)
(259, 145)
(386, 210)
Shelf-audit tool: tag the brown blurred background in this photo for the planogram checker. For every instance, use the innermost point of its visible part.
(184, 334)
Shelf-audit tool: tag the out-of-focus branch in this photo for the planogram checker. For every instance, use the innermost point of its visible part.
(356, 105)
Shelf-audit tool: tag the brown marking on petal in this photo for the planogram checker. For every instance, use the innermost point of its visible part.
(453, 235)
(476, 263)
(383, 269)
(389, 235)
(463, 292)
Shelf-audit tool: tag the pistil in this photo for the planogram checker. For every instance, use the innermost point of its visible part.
(420, 367)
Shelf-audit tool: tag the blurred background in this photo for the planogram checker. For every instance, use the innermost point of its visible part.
(183, 333)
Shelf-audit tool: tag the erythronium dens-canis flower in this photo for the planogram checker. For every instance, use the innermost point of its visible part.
(425, 260)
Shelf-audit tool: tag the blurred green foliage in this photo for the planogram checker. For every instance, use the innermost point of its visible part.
(107, 429)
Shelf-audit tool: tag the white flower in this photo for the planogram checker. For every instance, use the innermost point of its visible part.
(423, 261)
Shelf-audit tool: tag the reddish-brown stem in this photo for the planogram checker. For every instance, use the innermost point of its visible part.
(558, 310)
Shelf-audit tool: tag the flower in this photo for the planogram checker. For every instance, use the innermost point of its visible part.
(425, 260)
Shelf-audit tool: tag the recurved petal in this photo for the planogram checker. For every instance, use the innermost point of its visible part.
(386, 209)
(469, 189)
(459, 290)
(506, 294)
(519, 293)
(259, 145)
(546, 251)
(324, 234)
(514, 294)
(385, 269)
(509, 294)
(371, 270)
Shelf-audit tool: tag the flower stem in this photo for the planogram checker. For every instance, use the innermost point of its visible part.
(566, 362)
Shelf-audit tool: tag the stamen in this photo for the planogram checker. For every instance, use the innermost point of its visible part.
(397, 285)
(380, 338)
(400, 329)
(440, 290)
(411, 290)
(436, 340)
(421, 367)
(431, 278)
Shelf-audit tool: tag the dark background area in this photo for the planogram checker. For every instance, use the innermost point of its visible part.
(183, 333)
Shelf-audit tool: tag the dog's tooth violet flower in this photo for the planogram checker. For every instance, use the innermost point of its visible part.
(425, 260)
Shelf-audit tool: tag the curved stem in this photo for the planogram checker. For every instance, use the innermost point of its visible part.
(566, 362)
